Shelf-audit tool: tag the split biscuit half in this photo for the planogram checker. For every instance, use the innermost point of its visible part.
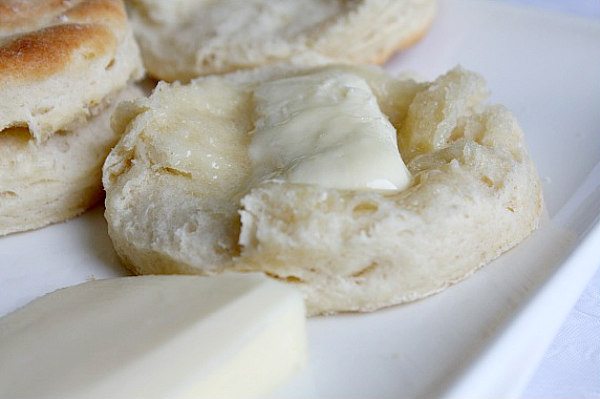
(184, 39)
(181, 197)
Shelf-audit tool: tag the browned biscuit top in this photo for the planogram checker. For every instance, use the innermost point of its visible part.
(39, 38)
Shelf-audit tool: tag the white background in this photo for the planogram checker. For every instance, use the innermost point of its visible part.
(571, 366)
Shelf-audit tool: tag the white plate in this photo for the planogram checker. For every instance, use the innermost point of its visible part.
(482, 337)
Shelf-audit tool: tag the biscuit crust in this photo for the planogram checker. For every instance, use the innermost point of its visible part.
(60, 59)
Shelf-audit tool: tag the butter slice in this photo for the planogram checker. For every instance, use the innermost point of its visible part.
(150, 337)
(325, 129)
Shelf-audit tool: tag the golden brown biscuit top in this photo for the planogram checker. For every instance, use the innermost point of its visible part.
(39, 38)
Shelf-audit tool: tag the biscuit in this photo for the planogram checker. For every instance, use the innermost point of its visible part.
(184, 39)
(59, 60)
(474, 192)
(64, 65)
(57, 179)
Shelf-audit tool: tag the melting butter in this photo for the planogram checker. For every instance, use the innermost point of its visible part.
(325, 129)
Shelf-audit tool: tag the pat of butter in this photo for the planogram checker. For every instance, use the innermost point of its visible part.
(230, 336)
(325, 129)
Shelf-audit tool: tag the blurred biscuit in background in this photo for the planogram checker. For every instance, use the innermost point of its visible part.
(183, 39)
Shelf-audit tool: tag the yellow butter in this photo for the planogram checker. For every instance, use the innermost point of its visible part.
(325, 129)
(234, 336)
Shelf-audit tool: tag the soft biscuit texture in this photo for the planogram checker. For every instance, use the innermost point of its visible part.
(180, 198)
(43, 183)
(60, 60)
(183, 39)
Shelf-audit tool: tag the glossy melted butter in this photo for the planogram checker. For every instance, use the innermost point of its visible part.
(201, 132)
(325, 129)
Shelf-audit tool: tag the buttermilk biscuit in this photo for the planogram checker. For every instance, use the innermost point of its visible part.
(59, 60)
(57, 179)
(64, 65)
(180, 195)
(184, 39)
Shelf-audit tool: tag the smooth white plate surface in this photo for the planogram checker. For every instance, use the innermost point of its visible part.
(482, 337)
